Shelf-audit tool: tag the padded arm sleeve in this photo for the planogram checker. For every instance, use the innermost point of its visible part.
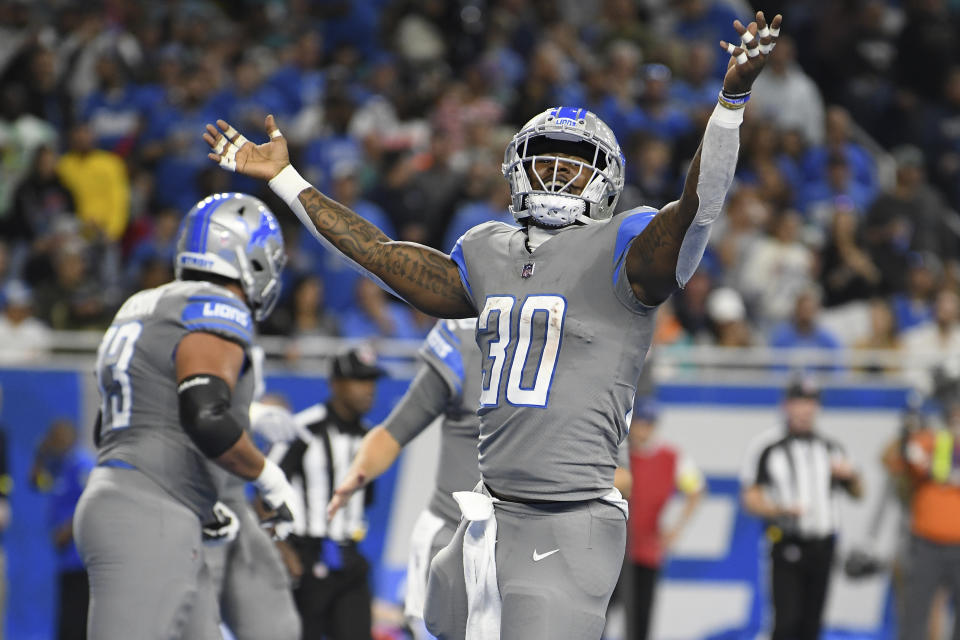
(718, 161)
(426, 399)
(205, 414)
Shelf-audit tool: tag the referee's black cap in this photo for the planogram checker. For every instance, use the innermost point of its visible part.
(358, 363)
(803, 387)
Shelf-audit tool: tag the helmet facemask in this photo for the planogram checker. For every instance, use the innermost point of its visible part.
(549, 198)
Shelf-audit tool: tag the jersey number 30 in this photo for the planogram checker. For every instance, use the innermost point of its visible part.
(113, 359)
(498, 310)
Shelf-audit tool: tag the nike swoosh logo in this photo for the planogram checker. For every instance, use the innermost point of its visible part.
(537, 557)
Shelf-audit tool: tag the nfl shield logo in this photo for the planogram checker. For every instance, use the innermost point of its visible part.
(527, 270)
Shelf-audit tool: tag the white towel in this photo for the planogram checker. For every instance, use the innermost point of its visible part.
(480, 564)
(418, 566)
(616, 499)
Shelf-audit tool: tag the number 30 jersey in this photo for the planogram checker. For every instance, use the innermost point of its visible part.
(563, 340)
(136, 373)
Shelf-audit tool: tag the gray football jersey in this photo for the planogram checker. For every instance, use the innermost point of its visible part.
(562, 340)
(136, 373)
(451, 349)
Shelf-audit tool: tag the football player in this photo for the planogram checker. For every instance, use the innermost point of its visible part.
(176, 385)
(565, 310)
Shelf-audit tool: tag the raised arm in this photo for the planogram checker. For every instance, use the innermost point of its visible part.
(426, 278)
(664, 256)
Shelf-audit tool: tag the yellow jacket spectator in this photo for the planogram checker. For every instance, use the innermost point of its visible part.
(99, 184)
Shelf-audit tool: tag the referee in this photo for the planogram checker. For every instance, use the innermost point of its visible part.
(333, 594)
(792, 478)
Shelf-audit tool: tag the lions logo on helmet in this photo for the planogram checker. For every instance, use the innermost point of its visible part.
(573, 132)
(234, 235)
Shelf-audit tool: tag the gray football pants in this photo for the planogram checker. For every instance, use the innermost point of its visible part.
(546, 595)
(144, 558)
(252, 583)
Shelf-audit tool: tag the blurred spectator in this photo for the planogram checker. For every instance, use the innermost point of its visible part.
(23, 338)
(909, 218)
(690, 306)
(933, 460)
(762, 153)
(837, 189)
(699, 84)
(98, 181)
(246, 101)
(40, 203)
(658, 113)
(914, 305)
(433, 194)
(942, 137)
(705, 20)
(334, 146)
(736, 231)
(933, 343)
(776, 268)
(304, 316)
(728, 316)
(929, 33)
(61, 466)
(839, 140)
(803, 330)
(300, 82)
(21, 134)
(74, 297)
(114, 109)
(159, 245)
(651, 179)
(376, 315)
(847, 272)
(661, 471)
(884, 331)
(170, 144)
(786, 96)
(491, 204)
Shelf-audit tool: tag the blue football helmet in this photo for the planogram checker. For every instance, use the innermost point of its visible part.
(570, 131)
(236, 236)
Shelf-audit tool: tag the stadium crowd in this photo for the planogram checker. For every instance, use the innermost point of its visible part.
(401, 110)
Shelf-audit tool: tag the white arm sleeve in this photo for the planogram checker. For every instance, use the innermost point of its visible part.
(718, 161)
(288, 184)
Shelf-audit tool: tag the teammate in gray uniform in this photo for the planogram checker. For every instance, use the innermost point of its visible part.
(448, 385)
(252, 584)
(565, 314)
(176, 387)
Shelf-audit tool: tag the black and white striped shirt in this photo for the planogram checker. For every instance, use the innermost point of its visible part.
(795, 471)
(315, 467)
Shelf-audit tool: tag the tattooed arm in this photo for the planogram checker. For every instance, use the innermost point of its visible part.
(426, 278)
(664, 256)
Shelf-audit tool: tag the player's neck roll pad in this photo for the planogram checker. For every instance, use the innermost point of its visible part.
(205, 413)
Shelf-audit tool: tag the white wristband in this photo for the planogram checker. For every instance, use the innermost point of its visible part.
(271, 478)
(288, 184)
(727, 118)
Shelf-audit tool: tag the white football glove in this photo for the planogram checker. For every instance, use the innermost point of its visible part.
(223, 528)
(275, 423)
(278, 496)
